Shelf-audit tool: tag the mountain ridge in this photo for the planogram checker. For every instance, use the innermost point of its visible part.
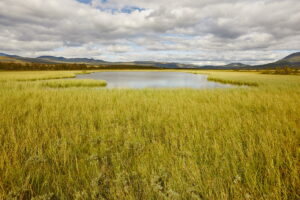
(292, 60)
(71, 60)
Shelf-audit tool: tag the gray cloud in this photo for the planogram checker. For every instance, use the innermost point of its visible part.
(166, 30)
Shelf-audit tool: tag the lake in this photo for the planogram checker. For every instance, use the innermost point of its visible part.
(153, 79)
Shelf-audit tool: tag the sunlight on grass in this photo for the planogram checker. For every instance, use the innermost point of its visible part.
(74, 83)
(81, 143)
(36, 75)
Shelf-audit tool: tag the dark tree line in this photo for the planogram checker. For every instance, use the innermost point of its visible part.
(282, 70)
(286, 70)
(65, 66)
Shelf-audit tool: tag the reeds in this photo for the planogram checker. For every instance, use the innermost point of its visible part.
(73, 83)
(80, 143)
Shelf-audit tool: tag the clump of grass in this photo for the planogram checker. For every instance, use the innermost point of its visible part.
(235, 78)
(74, 83)
(220, 80)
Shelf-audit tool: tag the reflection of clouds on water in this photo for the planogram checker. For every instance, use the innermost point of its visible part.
(119, 79)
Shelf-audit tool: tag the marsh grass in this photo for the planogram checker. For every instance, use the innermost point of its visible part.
(235, 78)
(221, 80)
(37, 75)
(80, 143)
(73, 83)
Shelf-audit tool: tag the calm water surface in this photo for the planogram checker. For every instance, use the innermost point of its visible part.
(147, 79)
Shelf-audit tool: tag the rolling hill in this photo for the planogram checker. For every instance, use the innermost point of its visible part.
(292, 61)
(89, 61)
(71, 60)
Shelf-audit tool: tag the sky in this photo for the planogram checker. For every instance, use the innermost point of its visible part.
(199, 32)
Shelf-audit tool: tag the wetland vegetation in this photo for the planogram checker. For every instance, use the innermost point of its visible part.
(82, 143)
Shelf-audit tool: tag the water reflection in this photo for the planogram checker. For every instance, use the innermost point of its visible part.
(148, 79)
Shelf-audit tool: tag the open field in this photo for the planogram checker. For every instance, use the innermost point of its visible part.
(86, 143)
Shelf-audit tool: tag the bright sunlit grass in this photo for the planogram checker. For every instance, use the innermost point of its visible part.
(80, 143)
(36, 75)
(73, 83)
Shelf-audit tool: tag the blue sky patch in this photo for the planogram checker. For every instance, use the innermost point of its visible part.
(125, 9)
(89, 1)
(84, 1)
(130, 9)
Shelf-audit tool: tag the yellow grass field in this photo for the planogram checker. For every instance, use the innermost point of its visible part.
(88, 143)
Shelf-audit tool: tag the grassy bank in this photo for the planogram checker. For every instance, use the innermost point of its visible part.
(81, 143)
(37, 75)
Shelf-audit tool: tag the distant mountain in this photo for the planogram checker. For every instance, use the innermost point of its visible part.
(91, 61)
(228, 66)
(236, 65)
(15, 58)
(292, 60)
(102, 62)
(3, 54)
(7, 55)
(35, 60)
(165, 64)
(71, 60)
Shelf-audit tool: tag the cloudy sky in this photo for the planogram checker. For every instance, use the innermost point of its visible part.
(187, 31)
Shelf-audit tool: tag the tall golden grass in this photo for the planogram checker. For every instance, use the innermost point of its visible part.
(82, 143)
(73, 83)
(36, 75)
